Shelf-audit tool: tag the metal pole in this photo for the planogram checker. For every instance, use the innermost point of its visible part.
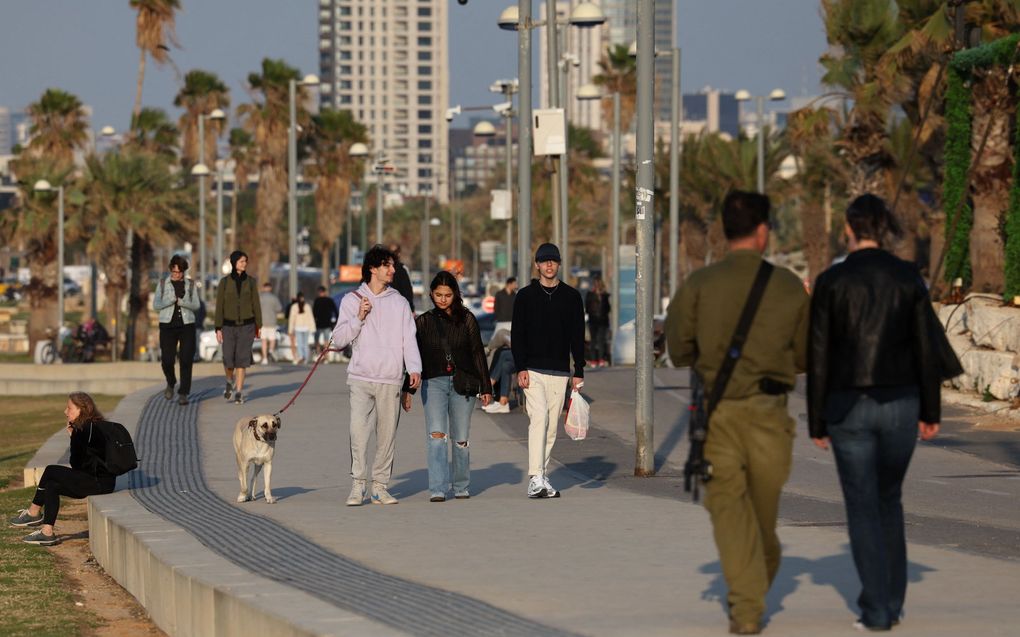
(379, 205)
(509, 186)
(552, 70)
(350, 229)
(676, 115)
(363, 221)
(615, 231)
(524, 143)
(426, 244)
(201, 207)
(565, 171)
(645, 217)
(218, 257)
(761, 143)
(60, 258)
(292, 280)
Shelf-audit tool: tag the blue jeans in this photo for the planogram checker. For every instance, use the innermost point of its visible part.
(301, 341)
(872, 447)
(447, 415)
(502, 371)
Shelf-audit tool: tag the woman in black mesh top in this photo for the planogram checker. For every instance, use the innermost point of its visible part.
(454, 373)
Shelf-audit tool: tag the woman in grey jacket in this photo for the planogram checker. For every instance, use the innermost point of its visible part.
(176, 300)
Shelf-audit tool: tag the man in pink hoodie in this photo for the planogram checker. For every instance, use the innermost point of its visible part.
(377, 321)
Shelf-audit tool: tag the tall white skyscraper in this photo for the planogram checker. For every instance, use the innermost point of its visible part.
(387, 61)
(622, 29)
(580, 51)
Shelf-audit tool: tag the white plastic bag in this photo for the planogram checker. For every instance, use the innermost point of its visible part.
(576, 424)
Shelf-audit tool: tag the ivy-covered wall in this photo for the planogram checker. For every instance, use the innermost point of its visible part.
(959, 215)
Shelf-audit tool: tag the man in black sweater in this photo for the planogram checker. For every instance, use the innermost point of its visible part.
(547, 331)
(504, 304)
(324, 312)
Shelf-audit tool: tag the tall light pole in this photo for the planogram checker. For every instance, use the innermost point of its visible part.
(591, 92)
(380, 168)
(292, 280)
(508, 88)
(645, 217)
(584, 15)
(776, 95)
(216, 114)
(107, 132)
(44, 186)
(218, 257)
(358, 152)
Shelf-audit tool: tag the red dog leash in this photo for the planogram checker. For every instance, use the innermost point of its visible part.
(325, 351)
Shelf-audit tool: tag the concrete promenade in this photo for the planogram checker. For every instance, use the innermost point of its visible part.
(613, 556)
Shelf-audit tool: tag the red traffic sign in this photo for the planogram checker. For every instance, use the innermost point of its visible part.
(385, 168)
(489, 304)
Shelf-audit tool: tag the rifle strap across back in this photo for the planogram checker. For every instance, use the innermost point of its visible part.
(736, 347)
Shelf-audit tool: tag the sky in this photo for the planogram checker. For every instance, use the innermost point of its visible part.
(87, 47)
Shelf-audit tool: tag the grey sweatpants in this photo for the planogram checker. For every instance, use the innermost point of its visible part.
(375, 407)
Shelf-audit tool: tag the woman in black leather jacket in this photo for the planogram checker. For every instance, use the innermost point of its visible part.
(86, 476)
(875, 369)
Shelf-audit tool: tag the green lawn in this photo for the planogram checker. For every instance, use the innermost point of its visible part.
(35, 599)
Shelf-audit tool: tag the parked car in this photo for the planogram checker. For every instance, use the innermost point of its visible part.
(71, 288)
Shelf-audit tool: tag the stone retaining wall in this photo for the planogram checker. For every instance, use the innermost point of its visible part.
(986, 337)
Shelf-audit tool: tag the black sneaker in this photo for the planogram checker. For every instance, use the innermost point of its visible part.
(238, 398)
(228, 390)
(183, 400)
(41, 539)
(24, 519)
(168, 393)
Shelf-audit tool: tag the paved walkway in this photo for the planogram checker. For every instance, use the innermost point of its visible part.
(605, 559)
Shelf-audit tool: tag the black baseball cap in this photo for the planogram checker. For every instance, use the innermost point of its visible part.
(547, 252)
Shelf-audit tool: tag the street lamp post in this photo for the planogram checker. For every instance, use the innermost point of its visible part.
(107, 132)
(379, 199)
(358, 151)
(292, 280)
(645, 216)
(584, 15)
(218, 257)
(216, 114)
(776, 95)
(591, 92)
(44, 186)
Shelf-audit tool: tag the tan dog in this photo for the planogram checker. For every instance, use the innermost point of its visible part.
(254, 444)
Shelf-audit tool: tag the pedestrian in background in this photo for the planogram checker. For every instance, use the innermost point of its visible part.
(377, 320)
(750, 433)
(271, 309)
(86, 476)
(300, 327)
(454, 373)
(547, 331)
(503, 304)
(874, 384)
(176, 300)
(238, 322)
(501, 371)
(401, 277)
(324, 311)
(596, 304)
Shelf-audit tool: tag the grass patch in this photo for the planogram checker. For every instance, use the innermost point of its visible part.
(34, 597)
(7, 357)
(27, 423)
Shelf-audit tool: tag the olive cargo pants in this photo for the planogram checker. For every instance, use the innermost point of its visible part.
(750, 442)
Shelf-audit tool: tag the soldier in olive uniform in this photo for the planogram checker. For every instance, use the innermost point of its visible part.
(750, 434)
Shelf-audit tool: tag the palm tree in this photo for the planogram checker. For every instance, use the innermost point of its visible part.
(333, 170)
(242, 153)
(155, 133)
(267, 118)
(201, 94)
(129, 191)
(618, 74)
(154, 28)
(59, 130)
(860, 32)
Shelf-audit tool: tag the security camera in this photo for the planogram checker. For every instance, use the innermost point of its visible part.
(462, 2)
(453, 111)
(503, 107)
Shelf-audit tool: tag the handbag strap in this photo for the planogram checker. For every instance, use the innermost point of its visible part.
(441, 328)
(736, 347)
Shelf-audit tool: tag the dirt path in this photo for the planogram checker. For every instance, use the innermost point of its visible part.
(120, 614)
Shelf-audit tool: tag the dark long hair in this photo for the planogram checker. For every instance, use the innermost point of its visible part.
(457, 310)
(870, 218)
(89, 411)
(301, 302)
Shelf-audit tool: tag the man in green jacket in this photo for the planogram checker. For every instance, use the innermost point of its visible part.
(750, 433)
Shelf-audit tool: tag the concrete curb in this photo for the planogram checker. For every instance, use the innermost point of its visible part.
(95, 378)
(203, 593)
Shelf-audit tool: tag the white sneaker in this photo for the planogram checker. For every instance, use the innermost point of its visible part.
(357, 496)
(536, 487)
(380, 495)
(549, 491)
(497, 408)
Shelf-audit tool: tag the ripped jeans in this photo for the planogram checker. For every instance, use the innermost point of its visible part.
(447, 416)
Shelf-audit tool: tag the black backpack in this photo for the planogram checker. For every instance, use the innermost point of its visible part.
(120, 449)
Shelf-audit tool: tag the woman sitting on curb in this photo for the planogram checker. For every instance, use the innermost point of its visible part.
(86, 476)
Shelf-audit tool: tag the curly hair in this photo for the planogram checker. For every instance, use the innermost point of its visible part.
(89, 412)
